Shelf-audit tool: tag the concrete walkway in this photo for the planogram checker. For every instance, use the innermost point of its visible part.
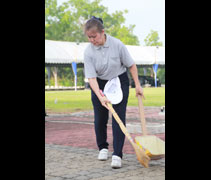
(71, 151)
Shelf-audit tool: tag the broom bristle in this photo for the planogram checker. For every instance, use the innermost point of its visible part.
(141, 156)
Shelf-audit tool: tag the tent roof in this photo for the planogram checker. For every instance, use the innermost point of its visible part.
(63, 52)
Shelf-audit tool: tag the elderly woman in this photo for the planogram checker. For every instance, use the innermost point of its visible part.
(105, 59)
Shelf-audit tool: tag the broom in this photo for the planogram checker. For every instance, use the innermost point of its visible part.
(140, 154)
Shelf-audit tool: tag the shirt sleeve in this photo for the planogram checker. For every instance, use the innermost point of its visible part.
(89, 67)
(125, 56)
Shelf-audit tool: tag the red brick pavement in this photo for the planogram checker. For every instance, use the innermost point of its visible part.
(68, 131)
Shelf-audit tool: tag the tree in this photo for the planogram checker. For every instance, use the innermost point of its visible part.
(51, 21)
(152, 39)
(66, 22)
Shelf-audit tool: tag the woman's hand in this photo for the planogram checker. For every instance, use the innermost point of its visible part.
(134, 73)
(139, 91)
(104, 101)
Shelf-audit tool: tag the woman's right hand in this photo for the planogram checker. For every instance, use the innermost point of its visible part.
(103, 99)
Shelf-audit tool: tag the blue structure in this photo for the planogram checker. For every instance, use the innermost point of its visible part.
(155, 68)
(74, 67)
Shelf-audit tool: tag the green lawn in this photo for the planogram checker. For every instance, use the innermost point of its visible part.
(72, 101)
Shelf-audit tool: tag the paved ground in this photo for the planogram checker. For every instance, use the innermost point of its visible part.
(71, 151)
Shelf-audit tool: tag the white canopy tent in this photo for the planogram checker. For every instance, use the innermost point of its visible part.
(61, 52)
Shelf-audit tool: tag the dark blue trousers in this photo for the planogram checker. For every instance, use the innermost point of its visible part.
(101, 116)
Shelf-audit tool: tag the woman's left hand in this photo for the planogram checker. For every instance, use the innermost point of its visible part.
(139, 91)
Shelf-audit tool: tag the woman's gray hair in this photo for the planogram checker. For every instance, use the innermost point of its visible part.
(94, 22)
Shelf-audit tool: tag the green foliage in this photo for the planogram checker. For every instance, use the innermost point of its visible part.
(46, 77)
(141, 71)
(152, 39)
(66, 22)
(161, 75)
(126, 35)
(65, 76)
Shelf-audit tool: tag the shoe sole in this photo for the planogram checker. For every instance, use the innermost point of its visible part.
(116, 167)
(103, 159)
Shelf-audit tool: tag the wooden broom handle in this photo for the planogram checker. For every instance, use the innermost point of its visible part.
(118, 120)
(141, 112)
(141, 156)
(121, 125)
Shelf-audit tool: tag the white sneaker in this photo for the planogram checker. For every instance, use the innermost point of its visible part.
(116, 162)
(103, 154)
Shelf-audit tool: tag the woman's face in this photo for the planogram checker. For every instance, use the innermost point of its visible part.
(95, 37)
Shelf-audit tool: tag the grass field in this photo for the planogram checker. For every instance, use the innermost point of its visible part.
(73, 101)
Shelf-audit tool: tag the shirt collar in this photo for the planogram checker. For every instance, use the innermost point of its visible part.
(106, 44)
